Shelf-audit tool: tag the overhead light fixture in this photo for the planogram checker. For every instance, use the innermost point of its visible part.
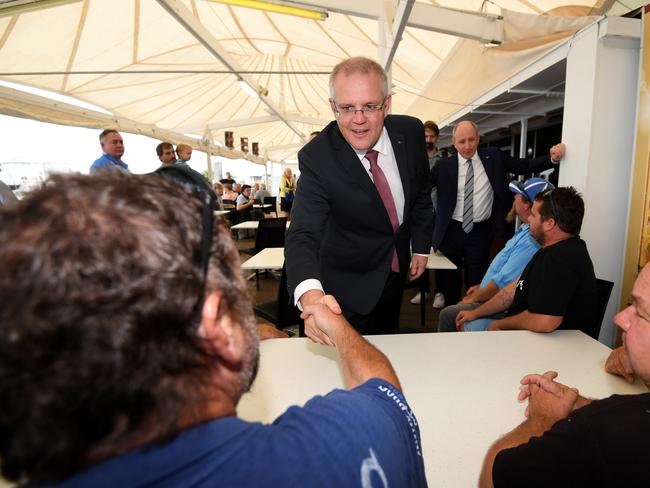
(278, 8)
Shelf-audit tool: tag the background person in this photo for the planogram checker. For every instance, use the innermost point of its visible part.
(570, 440)
(287, 191)
(184, 153)
(557, 289)
(473, 200)
(165, 152)
(112, 152)
(509, 263)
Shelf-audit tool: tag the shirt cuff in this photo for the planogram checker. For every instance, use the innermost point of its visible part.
(303, 287)
(418, 254)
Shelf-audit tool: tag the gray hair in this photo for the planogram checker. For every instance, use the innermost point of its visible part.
(453, 131)
(359, 64)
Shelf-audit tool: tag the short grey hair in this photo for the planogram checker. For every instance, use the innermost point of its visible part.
(453, 131)
(359, 64)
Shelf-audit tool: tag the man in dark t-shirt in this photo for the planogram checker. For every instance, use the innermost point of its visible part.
(557, 289)
(569, 440)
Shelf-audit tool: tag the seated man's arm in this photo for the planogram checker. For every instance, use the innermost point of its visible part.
(548, 402)
(360, 360)
(526, 320)
(481, 294)
(498, 303)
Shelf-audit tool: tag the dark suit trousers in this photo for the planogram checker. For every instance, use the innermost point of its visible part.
(384, 318)
(469, 252)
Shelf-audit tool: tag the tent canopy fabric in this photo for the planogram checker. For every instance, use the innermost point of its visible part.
(182, 70)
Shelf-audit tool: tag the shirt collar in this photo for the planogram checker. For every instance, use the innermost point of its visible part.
(462, 160)
(115, 160)
(381, 146)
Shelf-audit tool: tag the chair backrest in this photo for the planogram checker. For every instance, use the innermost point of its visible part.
(270, 233)
(603, 291)
(273, 202)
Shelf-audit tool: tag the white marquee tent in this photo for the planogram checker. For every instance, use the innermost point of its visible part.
(188, 70)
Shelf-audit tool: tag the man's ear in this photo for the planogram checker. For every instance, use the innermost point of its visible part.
(222, 336)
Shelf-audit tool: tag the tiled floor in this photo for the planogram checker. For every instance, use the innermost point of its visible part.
(409, 317)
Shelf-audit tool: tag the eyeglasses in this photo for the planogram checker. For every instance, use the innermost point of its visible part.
(549, 193)
(349, 110)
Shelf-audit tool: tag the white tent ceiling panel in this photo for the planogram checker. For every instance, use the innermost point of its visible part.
(182, 85)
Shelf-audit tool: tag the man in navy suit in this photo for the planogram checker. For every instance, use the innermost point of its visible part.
(362, 206)
(473, 200)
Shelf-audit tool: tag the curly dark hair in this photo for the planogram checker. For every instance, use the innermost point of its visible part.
(565, 205)
(101, 290)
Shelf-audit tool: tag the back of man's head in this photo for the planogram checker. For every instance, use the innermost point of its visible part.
(565, 205)
(102, 291)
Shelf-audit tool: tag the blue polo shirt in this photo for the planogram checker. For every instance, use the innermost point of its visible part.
(365, 437)
(106, 162)
(508, 265)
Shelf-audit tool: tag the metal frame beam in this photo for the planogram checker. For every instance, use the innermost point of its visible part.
(480, 26)
(178, 10)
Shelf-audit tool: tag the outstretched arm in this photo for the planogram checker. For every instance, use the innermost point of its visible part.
(360, 360)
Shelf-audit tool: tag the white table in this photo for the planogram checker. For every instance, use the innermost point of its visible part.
(250, 224)
(462, 386)
(262, 205)
(269, 258)
(222, 212)
(435, 261)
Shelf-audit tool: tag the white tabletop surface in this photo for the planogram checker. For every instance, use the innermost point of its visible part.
(250, 224)
(461, 386)
(439, 261)
(273, 258)
(222, 212)
(262, 205)
(269, 258)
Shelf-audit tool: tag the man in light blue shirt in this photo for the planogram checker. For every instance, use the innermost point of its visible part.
(113, 150)
(509, 263)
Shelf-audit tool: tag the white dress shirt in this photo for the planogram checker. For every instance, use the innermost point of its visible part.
(483, 193)
(388, 164)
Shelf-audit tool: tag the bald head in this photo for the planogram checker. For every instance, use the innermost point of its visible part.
(465, 137)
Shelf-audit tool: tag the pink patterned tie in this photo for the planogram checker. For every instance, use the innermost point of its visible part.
(381, 183)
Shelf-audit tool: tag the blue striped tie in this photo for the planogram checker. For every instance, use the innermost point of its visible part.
(468, 204)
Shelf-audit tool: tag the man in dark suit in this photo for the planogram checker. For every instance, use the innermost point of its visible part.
(473, 199)
(362, 204)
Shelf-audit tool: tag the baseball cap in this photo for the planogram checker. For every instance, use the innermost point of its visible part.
(531, 187)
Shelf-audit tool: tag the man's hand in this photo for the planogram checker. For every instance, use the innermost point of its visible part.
(269, 332)
(618, 363)
(468, 296)
(321, 324)
(548, 401)
(312, 297)
(463, 317)
(557, 152)
(418, 265)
